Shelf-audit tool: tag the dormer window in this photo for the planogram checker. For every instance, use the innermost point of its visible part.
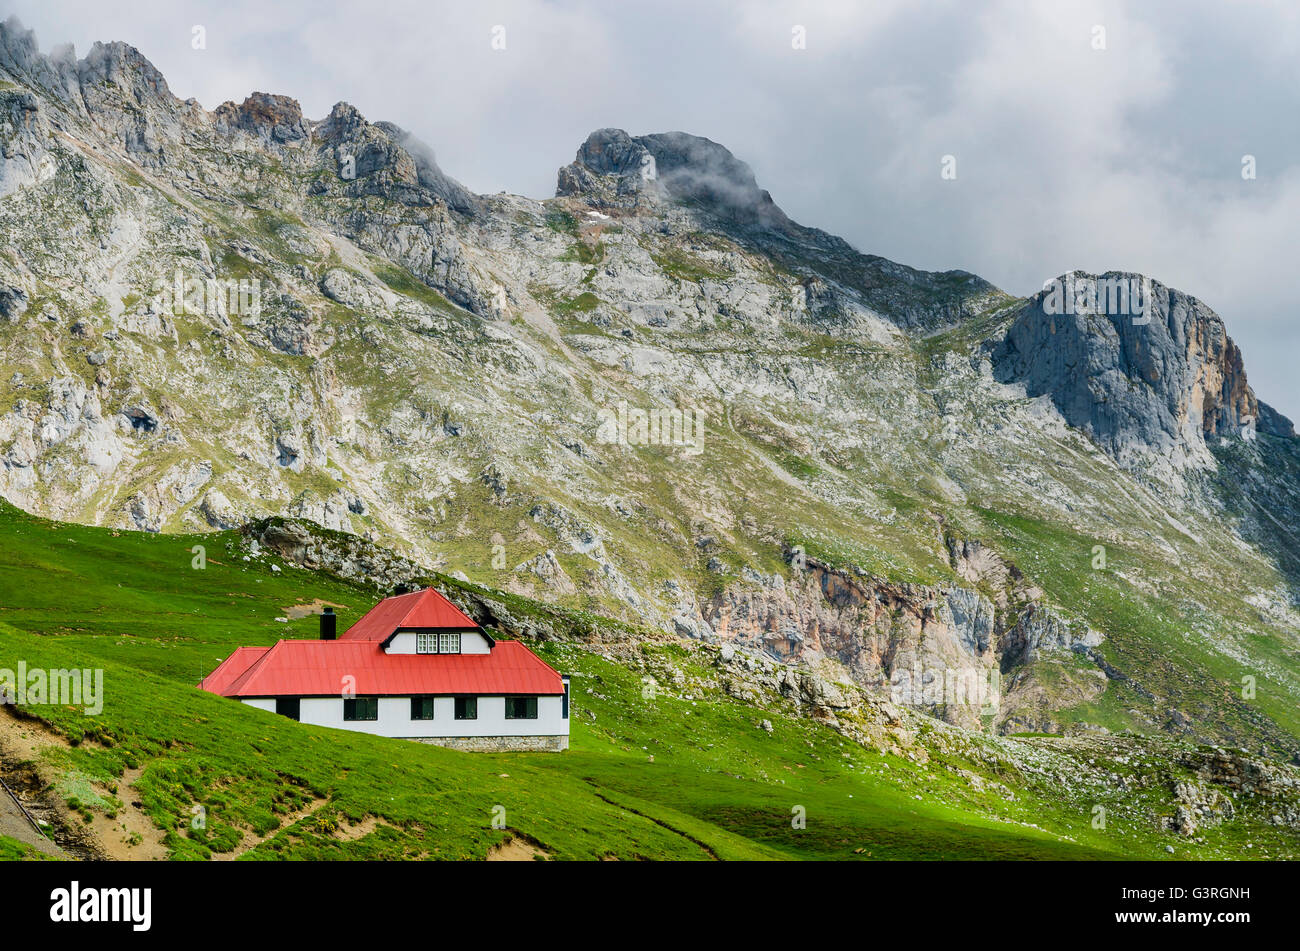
(436, 642)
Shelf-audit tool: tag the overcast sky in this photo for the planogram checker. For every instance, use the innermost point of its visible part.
(1067, 156)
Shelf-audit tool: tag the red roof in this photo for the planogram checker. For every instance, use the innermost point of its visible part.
(426, 609)
(318, 669)
(232, 668)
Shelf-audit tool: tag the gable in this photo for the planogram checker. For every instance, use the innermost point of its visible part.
(427, 610)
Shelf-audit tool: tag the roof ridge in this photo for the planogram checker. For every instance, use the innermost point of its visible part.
(426, 607)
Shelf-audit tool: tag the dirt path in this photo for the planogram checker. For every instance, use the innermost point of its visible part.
(308, 608)
(27, 793)
(130, 836)
(22, 741)
(251, 841)
(517, 849)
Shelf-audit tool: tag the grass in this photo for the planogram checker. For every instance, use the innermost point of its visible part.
(688, 267)
(585, 253)
(582, 304)
(11, 850)
(403, 282)
(1148, 637)
(561, 222)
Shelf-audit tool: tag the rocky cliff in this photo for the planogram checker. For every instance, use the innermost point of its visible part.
(1148, 371)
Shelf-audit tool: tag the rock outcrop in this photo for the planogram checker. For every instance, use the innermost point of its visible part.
(949, 651)
(1147, 371)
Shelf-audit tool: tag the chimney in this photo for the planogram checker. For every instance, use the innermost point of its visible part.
(327, 621)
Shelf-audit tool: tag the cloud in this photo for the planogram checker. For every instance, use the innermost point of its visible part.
(1067, 156)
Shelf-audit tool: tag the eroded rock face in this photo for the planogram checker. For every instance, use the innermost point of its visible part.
(1038, 630)
(952, 651)
(938, 649)
(1150, 387)
(24, 142)
(978, 564)
(273, 119)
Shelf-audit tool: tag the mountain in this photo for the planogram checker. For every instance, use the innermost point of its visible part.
(652, 397)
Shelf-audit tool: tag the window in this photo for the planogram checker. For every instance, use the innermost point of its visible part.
(422, 708)
(435, 642)
(287, 707)
(564, 702)
(361, 708)
(521, 708)
(467, 708)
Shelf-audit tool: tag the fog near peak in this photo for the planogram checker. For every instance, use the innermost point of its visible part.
(1066, 155)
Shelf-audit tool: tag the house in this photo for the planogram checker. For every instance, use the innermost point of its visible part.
(415, 667)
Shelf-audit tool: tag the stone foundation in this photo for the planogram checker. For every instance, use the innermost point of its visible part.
(499, 744)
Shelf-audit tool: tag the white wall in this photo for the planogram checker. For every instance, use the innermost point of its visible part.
(395, 717)
(470, 643)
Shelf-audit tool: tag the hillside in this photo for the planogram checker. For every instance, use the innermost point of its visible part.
(684, 770)
(211, 317)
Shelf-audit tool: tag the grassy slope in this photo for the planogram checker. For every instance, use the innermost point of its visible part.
(717, 786)
(13, 850)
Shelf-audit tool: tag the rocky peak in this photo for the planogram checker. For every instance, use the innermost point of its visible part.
(1148, 371)
(611, 170)
(22, 59)
(124, 67)
(383, 158)
(114, 86)
(428, 174)
(611, 152)
(696, 169)
(344, 121)
(272, 118)
(80, 82)
(617, 170)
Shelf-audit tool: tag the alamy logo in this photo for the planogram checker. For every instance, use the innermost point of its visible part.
(208, 297)
(974, 686)
(36, 687)
(1083, 294)
(74, 904)
(629, 426)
